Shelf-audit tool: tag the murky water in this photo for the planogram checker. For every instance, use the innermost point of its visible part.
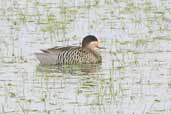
(134, 78)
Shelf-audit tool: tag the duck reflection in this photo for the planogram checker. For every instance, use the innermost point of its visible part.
(70, 69)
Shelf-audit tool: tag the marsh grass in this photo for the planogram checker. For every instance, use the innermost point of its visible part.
(134, 77)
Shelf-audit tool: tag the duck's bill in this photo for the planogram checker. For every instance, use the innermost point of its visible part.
(102, 47)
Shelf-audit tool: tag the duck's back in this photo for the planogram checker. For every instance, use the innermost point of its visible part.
(68, 55)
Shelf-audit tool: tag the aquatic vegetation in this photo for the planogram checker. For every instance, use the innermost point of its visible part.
(140, 42)
(165, 38)
(135, 67)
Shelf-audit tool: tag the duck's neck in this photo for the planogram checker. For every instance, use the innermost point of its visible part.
(90, 48)
(93, 51)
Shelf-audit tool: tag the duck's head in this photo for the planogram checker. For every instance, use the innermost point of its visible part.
(91, 42)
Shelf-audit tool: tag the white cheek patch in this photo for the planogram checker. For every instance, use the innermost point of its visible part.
(93, 44)
(99, 45)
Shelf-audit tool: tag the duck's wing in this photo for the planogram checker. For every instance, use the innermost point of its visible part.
(57, 49)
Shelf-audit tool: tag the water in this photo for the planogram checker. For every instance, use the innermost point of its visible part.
(134, 78)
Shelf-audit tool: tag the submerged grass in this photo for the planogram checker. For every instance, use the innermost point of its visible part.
(164, 38)
(127, 77)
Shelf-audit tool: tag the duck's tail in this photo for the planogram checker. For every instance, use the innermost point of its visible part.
(46, 58)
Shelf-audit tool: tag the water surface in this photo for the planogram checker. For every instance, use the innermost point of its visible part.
(134, 77)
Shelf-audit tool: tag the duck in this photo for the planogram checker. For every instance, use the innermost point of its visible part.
(85, 54)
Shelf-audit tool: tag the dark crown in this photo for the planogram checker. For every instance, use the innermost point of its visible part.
(88, 39)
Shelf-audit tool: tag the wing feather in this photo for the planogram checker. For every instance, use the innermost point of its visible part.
(56, 50)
